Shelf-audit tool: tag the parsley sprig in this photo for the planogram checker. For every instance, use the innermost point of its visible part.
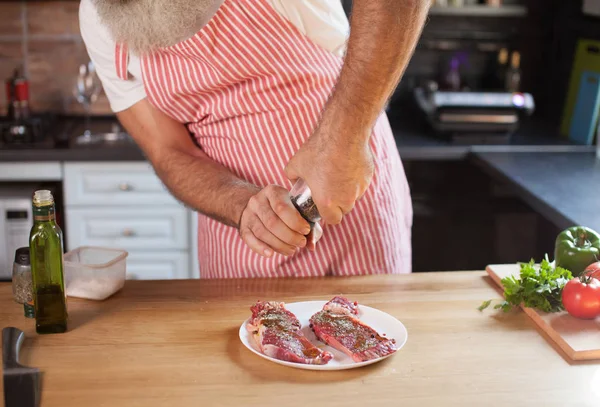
(539, 288)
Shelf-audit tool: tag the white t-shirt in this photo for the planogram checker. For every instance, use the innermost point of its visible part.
(323, 21)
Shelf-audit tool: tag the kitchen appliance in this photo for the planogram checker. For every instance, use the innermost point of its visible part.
(15, 224)
(22, 384)
(480, 117)
(591, 7)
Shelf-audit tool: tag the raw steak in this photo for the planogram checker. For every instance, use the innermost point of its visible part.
(277, 333)
(338, 326)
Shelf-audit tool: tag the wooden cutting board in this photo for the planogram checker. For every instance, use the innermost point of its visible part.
(579, 339)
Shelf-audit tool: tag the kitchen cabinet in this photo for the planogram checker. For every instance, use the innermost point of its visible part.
(464, 219)
(131, 227)
(169, 265)
(125, 205)
(118, 183)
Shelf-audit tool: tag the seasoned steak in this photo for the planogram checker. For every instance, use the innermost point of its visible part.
(338, 326)
(278, 335)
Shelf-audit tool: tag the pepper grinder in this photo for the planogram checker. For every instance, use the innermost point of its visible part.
(301, 197)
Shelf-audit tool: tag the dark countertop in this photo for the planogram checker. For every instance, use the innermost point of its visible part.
(564, 187)
(121, 153)
(66, 149)
(416, 140)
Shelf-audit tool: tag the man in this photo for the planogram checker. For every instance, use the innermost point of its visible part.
(272, 91)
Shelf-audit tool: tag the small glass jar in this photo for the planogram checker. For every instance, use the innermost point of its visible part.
(22, 283)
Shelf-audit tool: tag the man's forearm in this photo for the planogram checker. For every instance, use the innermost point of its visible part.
(383, 36)
(204, 185)
(189, 174)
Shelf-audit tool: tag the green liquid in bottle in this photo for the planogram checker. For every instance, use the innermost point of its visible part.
(46, 253)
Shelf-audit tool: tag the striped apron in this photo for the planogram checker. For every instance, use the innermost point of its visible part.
(250, 86)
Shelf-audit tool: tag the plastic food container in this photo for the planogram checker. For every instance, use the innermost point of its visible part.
(94, 273)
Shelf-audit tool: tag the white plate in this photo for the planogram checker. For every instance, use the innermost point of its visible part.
(380, 321)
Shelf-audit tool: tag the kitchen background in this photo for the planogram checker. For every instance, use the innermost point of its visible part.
(464, 218)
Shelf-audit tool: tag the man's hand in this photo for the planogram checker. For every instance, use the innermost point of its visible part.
(338, 172)
(270, 223)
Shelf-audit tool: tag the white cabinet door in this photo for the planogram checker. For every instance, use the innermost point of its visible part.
(158, 265)
(129, 228)
(131, 183)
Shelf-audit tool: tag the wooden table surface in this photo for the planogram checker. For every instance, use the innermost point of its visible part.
(175, 343)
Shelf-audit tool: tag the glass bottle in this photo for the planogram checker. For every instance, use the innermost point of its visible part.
(513, 74)
(46, 252)
(501, 67)
(22, 282)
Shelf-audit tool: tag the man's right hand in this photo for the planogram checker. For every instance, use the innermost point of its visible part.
(270, 223)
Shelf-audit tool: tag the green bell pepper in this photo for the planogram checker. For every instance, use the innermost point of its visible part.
(576, 248)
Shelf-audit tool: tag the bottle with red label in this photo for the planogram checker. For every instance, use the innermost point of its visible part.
(17, 95)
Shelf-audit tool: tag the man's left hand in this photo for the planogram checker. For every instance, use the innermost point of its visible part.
(338, 168)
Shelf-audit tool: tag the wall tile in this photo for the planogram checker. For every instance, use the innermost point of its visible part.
(10, 18)
(53, 68)
(53, 18)
(11, 57)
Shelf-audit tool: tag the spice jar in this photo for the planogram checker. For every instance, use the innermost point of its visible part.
(22, 283)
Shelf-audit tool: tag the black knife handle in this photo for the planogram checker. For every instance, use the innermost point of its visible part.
(12, 339)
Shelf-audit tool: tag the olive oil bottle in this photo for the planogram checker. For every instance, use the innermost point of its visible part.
(46, 254)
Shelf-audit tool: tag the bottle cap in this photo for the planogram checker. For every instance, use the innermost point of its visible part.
(43, 196)
(22, 256)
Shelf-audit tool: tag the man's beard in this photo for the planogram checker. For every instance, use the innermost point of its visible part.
(145, 25)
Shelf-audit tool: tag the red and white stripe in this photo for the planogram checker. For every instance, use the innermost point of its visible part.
(251, 86)
(122, 61)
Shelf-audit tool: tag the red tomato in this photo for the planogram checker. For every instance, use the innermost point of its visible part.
(581, 297)
(593, 270)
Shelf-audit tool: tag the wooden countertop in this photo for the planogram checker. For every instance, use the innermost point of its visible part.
(175, 343)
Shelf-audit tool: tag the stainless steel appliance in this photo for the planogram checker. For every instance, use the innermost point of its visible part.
(15, 223)
(492, 116)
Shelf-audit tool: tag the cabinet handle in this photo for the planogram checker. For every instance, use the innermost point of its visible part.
(127, 232)
(125, 187)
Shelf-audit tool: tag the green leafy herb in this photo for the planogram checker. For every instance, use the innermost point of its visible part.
(539, 288)
(484, 305)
